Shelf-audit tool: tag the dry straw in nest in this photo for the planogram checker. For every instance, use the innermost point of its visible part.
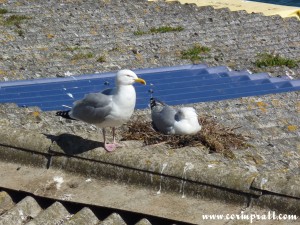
(216, 137)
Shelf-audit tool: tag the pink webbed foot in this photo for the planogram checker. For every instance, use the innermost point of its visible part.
(110, 147)
(119, 145)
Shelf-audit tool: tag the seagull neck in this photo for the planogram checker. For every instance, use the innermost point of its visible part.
(125, 97)
(124, 88)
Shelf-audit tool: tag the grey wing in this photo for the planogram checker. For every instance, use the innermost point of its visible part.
(93, 108)
(164, 119)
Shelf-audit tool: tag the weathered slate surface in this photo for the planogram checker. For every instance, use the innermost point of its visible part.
(75, 37)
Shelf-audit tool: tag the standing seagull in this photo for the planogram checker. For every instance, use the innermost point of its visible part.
(109, 108)
(168, 120)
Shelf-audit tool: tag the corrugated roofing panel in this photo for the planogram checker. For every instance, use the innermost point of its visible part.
(280, 2)
(174, 85)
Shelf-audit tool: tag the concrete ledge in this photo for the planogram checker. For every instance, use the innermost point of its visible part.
(10, 154)
(24, 139)
(24, 147)
(152, 181)
(155, 167)
(62, 186)
(278, 183)
(282, 204)
(150, 160)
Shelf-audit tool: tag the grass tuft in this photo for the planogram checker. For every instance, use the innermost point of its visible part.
(3, 11)
(213, 135)
(194, 53)
(15, 20)
(101, 59)
(20, 32)
(139, 32)
(165, 29)
(72, 48)
(162, 29)
(269, 60)
(80, 56)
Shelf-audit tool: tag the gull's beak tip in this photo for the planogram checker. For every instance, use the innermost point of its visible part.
(140, 80)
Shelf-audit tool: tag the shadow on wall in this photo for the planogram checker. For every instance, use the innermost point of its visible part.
(72, 144)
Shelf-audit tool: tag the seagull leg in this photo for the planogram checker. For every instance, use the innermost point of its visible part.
(114, 134)
(118, 145)
(103, 132)
(108, 147)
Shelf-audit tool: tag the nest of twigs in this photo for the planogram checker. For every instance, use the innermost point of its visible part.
(216, 137)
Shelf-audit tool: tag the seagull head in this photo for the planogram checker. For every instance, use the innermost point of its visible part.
(187, 121)
(187, 113)
(128, 77)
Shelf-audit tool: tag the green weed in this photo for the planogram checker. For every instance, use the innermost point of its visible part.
(3, 11)
(80, 56)
(269, 60)
(139, 32)
(194, 53)
(163, 29)
(71, 48)
(101, 59)
(20, 32)
(15, 20)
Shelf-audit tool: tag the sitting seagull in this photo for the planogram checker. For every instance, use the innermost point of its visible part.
(168, 120)
(109, 108)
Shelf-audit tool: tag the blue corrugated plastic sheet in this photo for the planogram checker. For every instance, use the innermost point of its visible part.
(173, 85)
(295, 3)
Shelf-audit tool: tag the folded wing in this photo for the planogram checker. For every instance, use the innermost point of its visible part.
(93, 108)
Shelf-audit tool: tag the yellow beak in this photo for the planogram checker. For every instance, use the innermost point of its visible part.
(140, 80)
